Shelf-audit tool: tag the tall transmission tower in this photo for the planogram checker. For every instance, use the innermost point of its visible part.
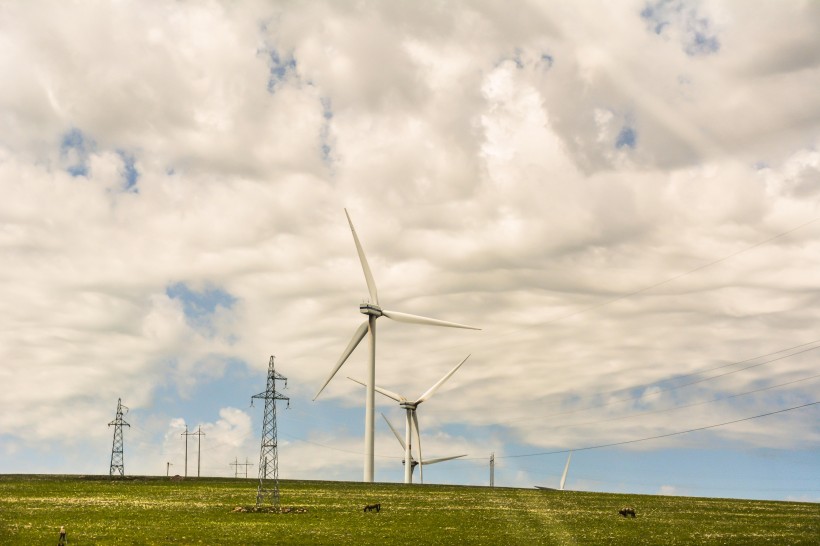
(117, 465)
(268, 458)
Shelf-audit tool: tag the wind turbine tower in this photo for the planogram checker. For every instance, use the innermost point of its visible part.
(117, 462)
(373, 311)
(412, 421)
(268, 456)
(411, 463)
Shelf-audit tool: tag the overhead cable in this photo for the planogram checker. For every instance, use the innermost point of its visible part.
(678, 433)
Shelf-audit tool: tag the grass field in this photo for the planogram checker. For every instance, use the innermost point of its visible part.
(147, 510)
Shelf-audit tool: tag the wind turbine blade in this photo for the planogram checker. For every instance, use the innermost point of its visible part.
(396, 434)
(418, 443)
(390, 394)
(357, 338)
(442, 459)
(564, 475)
(368, 276)
(416, 319)
(441, 381)
(362, 383)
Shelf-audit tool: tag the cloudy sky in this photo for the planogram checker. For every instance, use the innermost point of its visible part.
(625, 197)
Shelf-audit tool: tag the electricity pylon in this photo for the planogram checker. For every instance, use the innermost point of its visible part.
(268, 458)
(117, 465)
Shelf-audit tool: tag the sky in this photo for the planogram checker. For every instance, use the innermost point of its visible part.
(624, 197)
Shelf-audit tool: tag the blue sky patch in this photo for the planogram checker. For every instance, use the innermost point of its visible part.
(234, 389)
(324, 136)
(516, 58)
(279, 67)
(547, 61)
(696, 33)
(74, 150)
(701, 42)
(627, 138)
(199, 307)
(130, 174)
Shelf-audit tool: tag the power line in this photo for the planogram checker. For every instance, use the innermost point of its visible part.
(581, 448)
(668, 389)
(646, 385)
(351, 451)
(678, 433)
(665, 410)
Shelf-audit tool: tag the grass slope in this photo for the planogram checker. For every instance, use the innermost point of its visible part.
(98, 510)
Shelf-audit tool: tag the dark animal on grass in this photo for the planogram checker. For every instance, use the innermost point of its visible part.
(371, 507)
(627, 512)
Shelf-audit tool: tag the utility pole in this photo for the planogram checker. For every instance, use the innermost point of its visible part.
(199, 435)
(268, 457)
(117, 461)
(236, 464)
(168, 469)
(186, 434)
(492, 469)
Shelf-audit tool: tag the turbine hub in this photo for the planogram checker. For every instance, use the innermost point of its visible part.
(370, 309)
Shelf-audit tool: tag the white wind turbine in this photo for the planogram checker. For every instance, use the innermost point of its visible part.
(412, 462)
(564, 475)
(412, 423)
(374, 311)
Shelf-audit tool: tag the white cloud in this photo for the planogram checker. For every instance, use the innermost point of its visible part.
(531, 171)
(668, 490)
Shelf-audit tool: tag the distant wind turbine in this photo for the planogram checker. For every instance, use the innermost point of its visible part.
(564, 475)
(412, 421)
(374, 311)
(409, 462)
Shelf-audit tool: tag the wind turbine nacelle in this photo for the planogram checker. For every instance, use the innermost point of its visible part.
(370, 309)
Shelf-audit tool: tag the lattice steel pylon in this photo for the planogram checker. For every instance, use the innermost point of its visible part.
(117, 462)
(268, 458)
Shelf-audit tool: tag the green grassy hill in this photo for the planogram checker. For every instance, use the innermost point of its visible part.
(147, 510)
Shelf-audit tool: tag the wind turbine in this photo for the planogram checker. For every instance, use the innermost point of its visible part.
(564, 475)
(409, 462)
(373, 311)
(412, 422)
